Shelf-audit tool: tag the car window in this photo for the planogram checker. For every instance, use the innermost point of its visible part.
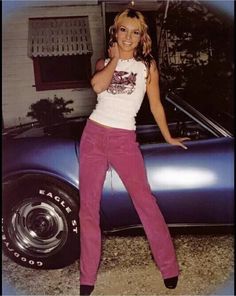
(222, 113)
(180, 125)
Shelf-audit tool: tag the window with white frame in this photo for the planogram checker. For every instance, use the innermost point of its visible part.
(61, 50)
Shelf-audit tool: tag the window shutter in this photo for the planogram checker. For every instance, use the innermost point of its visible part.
(59, 36)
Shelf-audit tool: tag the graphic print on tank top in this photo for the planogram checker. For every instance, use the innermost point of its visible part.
(122, 83)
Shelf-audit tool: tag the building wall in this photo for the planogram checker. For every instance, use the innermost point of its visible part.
(17, 68)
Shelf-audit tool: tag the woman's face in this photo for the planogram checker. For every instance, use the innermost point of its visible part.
(128, 34)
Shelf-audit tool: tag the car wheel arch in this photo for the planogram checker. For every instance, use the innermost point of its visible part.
(37, 177)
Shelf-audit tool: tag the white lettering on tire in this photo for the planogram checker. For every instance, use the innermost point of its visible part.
(56, 198)
(75, 230)
(39, 263)
(74, 223)
(17, 255)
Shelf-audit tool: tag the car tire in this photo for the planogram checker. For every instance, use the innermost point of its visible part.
(40, 224)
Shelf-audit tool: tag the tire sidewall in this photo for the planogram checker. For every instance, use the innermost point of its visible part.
(43, 192)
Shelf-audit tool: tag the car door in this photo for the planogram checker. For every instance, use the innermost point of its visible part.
(193, 186)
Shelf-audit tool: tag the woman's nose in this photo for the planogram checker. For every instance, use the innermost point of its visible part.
(128, 35)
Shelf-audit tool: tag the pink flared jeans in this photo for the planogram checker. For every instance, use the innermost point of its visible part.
(99, 148)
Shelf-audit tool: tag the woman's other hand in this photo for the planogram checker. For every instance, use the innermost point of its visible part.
(178, 142)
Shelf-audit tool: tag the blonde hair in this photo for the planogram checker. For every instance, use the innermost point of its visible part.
(143, 50)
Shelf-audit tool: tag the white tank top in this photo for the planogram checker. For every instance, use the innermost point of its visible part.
(119, 104)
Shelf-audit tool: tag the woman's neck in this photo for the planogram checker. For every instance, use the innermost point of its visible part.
(126, 55)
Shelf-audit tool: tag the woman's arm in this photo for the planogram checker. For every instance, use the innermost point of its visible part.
(157, 109)
(103, 75)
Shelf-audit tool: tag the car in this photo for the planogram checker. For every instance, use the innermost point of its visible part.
(193, 187)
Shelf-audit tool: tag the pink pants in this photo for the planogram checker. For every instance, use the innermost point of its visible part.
(99, 148)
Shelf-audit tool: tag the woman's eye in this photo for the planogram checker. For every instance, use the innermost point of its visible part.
(137, 33)
(122, 29)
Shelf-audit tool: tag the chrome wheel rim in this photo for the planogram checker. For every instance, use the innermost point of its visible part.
(38, 228)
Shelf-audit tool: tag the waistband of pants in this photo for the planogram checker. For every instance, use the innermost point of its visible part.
(108, 130)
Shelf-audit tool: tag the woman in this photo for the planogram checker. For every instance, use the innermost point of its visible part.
(109, 139)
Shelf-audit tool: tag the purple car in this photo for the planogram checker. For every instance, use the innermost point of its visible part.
(192, 187)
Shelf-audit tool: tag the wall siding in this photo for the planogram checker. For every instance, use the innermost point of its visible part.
(17, 68)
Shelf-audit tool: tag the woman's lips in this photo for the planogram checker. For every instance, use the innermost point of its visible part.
(127, 43)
